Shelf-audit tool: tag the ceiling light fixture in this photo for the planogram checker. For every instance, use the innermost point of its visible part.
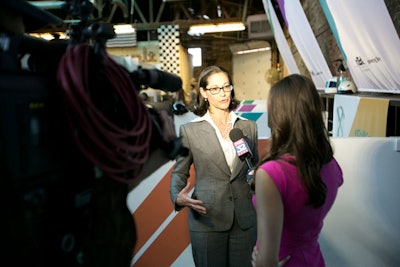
(124, 29)
(251, 46)
(50, 36)
(48, 4)
(252, 50)
(200, 29)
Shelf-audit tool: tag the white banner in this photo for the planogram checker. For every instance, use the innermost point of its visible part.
(369, 42)
(280, 39)
(305, 41)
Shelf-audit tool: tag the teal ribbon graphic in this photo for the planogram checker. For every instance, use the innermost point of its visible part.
(340, 114)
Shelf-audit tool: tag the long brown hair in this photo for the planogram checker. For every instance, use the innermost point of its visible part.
(202, 105)
(298, 129)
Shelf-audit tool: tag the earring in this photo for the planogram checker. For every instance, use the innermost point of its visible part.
(205, 99)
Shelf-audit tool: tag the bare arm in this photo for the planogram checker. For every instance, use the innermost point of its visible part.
(269, 208)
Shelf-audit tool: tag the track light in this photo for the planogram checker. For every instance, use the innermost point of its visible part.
(201, 29)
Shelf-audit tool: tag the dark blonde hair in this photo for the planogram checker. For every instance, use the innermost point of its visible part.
(202, 105)
(297, 128)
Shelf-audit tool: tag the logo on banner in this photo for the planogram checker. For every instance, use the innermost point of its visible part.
(359, 61)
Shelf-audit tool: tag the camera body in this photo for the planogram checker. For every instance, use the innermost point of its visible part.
(45, 178)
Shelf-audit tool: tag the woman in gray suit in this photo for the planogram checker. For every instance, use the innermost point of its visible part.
(222, 219)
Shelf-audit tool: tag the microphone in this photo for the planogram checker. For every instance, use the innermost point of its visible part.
(241, 147)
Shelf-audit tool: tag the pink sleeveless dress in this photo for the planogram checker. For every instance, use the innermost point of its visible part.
(302, 223)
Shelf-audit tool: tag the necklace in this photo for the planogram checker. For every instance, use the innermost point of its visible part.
(223, 126)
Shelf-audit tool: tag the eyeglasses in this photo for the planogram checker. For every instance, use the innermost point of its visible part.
(216, 90)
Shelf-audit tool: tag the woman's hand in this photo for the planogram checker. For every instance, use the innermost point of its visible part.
(254, 256)
(184, 199)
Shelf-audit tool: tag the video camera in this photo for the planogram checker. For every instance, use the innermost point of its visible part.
(40, 165)
(53, 200)
(38, 77)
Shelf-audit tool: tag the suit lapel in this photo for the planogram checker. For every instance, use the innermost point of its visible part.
(214, 146)
(238, 164)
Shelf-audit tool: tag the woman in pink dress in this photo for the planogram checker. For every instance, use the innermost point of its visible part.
(297, 182)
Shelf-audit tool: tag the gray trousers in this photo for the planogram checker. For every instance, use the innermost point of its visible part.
(231, 248)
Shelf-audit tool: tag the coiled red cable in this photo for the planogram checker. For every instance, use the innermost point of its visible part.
(119, 150)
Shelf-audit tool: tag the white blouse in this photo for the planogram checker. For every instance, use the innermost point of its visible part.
(226, 144)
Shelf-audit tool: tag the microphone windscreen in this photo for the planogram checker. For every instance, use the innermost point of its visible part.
(156, 79)
(164, 81)
(235, 134)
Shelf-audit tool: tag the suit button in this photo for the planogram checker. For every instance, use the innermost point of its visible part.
(230, 198)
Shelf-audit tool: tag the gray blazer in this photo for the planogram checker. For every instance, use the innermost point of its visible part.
(225, 194)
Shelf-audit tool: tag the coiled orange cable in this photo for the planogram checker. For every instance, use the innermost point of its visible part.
(119, 150)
